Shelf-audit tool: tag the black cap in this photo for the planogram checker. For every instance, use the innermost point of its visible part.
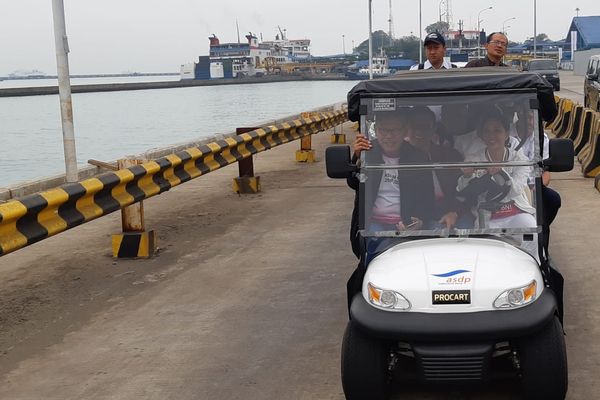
(434, 37)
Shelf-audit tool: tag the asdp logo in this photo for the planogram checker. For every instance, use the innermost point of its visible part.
(456, 277)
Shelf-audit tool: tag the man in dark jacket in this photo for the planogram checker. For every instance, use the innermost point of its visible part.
(383, 209)
(496, 44)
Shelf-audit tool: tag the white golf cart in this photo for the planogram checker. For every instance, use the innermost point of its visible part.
(452, 298)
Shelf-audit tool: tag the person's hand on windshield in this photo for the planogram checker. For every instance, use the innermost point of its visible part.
(494, 170)
(415, 225)
(468, 171)
(361, 143)
(449, 219)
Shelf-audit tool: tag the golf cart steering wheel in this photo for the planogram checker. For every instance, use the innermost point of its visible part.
(494, 186)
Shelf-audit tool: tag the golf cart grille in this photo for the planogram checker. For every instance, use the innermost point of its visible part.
(453, 362)
(453, 368)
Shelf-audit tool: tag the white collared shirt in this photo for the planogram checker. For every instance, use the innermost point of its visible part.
(427, 65)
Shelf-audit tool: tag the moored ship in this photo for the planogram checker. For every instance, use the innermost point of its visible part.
(253, 58)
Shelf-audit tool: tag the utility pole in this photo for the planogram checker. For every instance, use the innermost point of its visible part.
(391, 26)
(449, 19)
(479, 30)
(534, 28)
(420, 34)
(64, 90)
(370, 40)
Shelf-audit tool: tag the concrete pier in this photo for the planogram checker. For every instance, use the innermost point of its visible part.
(115, 87)
(246, 299)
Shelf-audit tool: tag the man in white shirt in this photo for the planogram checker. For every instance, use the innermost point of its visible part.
(525, 130)
(435, 50)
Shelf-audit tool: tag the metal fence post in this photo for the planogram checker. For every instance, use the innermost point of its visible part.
(134, 241)
(338, 137)
(306, 153)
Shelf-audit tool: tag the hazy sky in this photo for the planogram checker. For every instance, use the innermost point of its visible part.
(159, 35)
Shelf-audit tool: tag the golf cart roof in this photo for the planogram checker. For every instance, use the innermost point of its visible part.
(455, 80)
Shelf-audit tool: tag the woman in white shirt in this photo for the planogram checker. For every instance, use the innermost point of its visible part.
(515, 209)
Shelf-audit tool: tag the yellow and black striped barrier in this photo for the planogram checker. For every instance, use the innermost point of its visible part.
(41, 215)
(582, 125)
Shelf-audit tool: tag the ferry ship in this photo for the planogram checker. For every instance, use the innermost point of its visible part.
(237, 60)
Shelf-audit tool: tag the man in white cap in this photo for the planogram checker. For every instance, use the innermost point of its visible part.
(435, 50)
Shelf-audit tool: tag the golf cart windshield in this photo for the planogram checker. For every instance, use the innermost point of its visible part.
(451, 164)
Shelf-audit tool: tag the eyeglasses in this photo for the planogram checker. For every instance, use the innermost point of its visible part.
(387, 132)
(499, 43)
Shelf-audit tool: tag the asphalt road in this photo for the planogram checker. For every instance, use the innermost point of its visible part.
(245, 300)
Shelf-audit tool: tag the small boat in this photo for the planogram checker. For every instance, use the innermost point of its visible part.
(381, 69)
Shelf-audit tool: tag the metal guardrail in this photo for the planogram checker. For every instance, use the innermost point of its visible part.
(41, 215)
(582, 126)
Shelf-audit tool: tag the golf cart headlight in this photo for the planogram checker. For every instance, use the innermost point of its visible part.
(387, 298)
(517, 297)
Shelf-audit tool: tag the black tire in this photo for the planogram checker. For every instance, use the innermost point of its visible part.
(543, 358)
(557, 89)
(364, 366)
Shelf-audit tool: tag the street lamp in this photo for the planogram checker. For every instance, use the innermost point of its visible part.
(344, 44)
(479, 30)
(420, 35)
(64, 90)
(534, 28)
(370, 41)
(504, 23)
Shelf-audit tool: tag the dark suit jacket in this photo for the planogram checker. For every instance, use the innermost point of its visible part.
(416, 188)
(448, 178)
(484, 62)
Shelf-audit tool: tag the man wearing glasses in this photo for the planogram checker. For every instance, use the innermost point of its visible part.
(496, 44)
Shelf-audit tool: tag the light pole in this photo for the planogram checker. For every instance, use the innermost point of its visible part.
(440, 9)
(64, 90)
(479, 30)
(534, 28)
(420, 34)
(344, 44)
(370, 42)
(504, 23)
(577, 11)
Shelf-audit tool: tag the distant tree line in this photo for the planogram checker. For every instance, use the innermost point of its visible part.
(408, 46)
(404, 47)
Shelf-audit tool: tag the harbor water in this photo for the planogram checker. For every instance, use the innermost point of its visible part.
(111, 125)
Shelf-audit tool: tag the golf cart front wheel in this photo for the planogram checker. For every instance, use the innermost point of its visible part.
(364, 366)
(543, 359)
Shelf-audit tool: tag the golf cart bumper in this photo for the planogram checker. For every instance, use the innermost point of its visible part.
(483, 326)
